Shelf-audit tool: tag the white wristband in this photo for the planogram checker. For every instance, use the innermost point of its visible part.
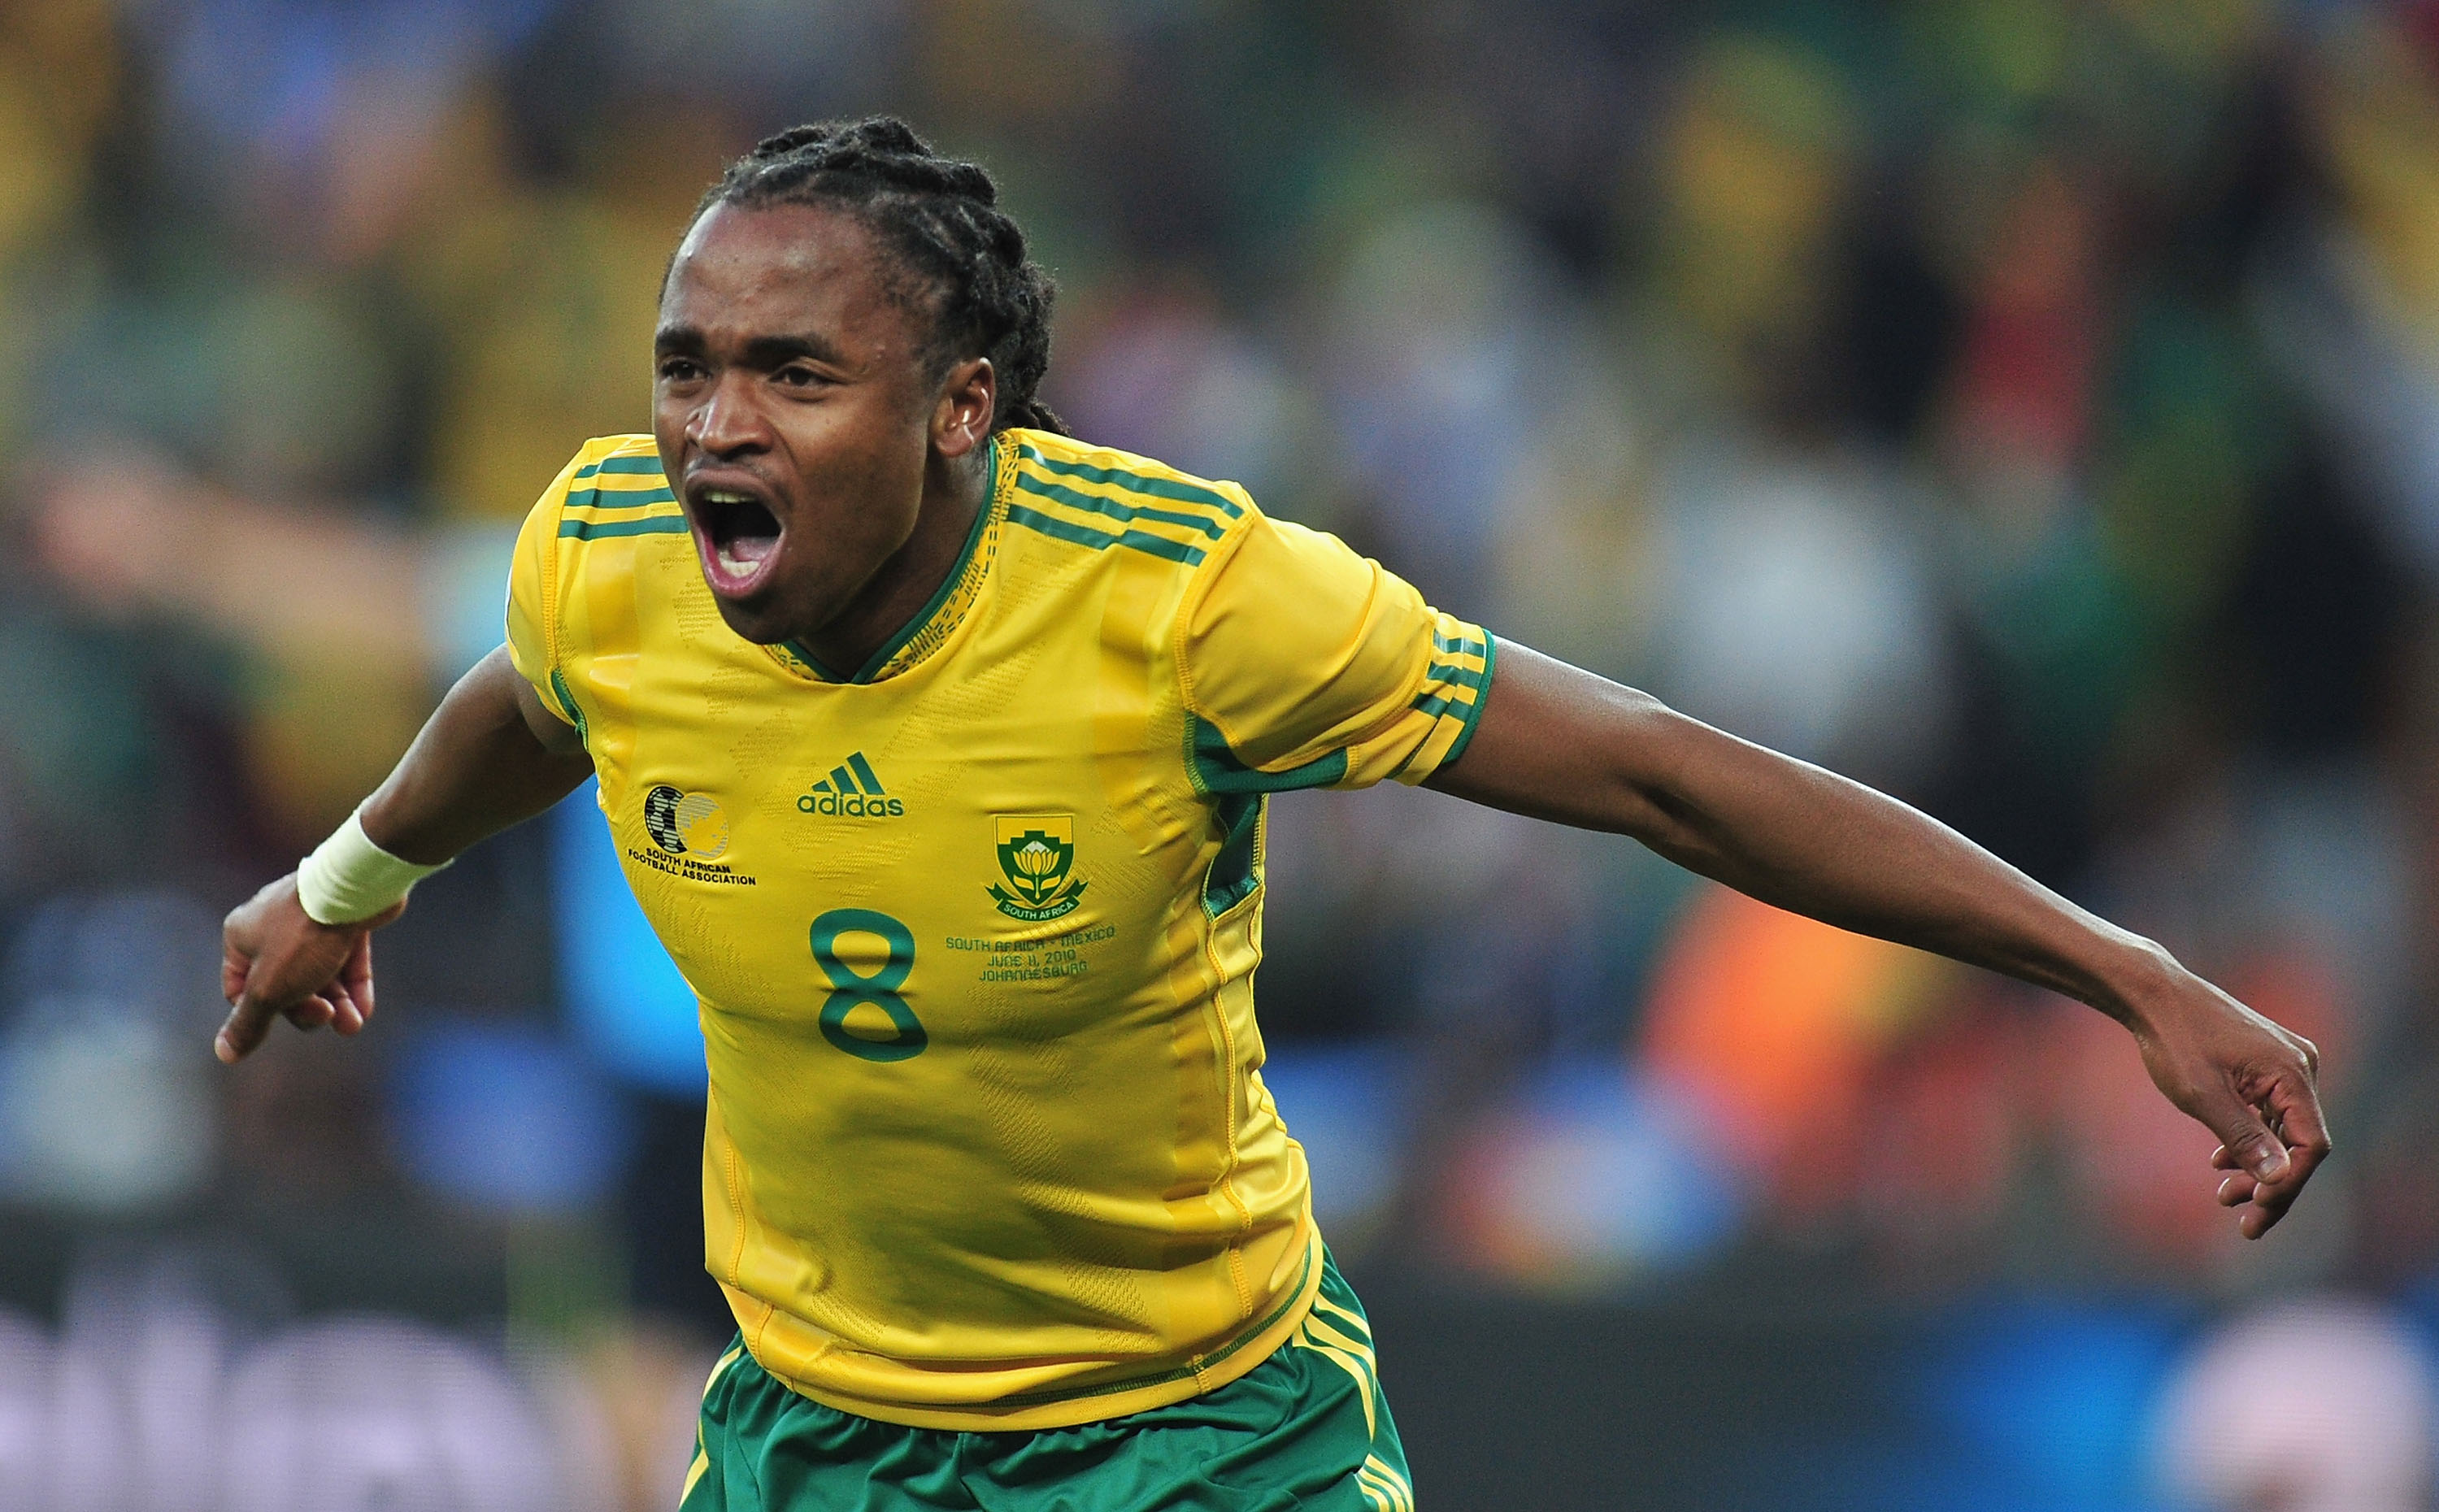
(348, 878)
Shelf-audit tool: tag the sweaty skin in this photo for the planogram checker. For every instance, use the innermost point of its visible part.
(788, 369)
(830, 476)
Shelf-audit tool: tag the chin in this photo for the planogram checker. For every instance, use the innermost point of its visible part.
(753, 619)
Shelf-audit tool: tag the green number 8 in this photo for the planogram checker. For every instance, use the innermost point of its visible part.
(880, 988)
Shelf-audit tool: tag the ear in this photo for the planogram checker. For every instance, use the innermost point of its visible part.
(961, 418)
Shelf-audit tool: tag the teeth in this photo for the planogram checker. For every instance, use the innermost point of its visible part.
(725, 496)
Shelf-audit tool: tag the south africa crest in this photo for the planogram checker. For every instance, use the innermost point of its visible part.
(1036, 855)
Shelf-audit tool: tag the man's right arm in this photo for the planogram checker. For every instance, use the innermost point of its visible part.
(492, 755)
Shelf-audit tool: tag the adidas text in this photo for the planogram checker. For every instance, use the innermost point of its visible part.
(851, 806)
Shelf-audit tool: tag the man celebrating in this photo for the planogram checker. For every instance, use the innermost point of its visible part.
(936, 745)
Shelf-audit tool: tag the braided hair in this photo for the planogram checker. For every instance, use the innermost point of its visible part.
(940, 218)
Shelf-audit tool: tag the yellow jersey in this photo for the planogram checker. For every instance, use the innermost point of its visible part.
(972, 928)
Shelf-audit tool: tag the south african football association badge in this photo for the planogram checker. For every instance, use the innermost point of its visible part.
(1036, 854)
(689, 834)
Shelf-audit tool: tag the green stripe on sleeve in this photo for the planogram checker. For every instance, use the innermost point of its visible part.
(650, 525)
(1116, 510)
(1471, 713)
(1460, 645)
(1059, 530)
(1150, 488)
(647, 464)
(620, 499)
(1455, 676)
(1160, 546)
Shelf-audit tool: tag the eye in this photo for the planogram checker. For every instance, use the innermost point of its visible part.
(677, 369)
(798, 375)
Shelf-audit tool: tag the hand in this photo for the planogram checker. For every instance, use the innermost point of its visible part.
(2251, 1081)
(277, 962)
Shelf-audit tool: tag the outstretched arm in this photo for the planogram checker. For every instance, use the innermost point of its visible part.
(1563, 744)
(488, 757)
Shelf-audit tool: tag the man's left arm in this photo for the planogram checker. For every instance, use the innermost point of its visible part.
(1562, 744)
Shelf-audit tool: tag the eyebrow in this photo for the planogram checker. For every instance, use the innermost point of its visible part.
(771, 351)
(761, 351)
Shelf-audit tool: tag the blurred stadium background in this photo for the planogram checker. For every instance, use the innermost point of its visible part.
(2029, 406)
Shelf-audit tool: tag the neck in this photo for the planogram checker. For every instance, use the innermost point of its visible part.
(904, 586)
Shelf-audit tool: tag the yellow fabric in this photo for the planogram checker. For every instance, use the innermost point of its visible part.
(974, 928)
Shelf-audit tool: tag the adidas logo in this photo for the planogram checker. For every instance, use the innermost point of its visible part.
(852, 791)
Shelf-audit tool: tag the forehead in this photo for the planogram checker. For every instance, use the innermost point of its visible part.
(784, 269)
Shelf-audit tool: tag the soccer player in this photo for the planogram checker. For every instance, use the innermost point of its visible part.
(936, 745)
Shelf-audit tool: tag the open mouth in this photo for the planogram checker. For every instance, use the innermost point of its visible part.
(737, 538)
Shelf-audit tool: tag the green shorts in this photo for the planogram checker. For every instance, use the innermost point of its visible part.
(1307, 1427)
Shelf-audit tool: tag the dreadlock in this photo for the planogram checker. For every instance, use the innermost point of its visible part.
(939, 217)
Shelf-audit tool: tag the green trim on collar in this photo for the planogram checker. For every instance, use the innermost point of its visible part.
(812, 663)
(948, 585)
(797, 652)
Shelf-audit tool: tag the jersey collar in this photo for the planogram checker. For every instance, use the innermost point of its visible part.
(932, 625)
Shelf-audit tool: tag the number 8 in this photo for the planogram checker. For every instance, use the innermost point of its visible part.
(880, 988)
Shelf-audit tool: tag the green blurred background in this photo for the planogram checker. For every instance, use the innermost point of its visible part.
(2029, 406)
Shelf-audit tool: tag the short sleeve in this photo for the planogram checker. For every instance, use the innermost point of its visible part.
(1306, 665)
(533, 604)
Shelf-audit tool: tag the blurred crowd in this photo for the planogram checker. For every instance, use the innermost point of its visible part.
(2028, 406)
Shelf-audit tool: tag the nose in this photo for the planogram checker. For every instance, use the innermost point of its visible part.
(728, 422)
